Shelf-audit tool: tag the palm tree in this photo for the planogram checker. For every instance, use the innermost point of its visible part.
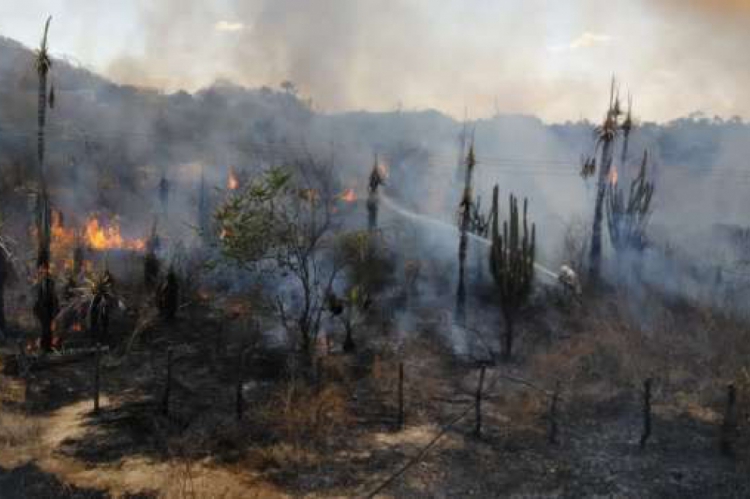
(464, 224)
(93, 304)
(376, 180)
(605, 142)
(45, 283)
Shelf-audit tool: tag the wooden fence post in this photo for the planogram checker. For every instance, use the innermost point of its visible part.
(646, 412)
(729, 425)
(167, 384)
(400, 422)
(553, 415)
(478, 403)
(97, 363)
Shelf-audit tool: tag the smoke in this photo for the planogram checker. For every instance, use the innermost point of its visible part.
(518, 57)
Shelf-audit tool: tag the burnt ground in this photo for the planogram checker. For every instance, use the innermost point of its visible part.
(333, 434)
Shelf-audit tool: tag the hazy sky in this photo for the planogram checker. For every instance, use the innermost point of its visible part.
(552, 58)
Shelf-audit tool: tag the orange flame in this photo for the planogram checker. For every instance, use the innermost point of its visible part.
(613, 175)
(63, 238)
(348, 196)
(233, 183)
(383, 170)
(108, 236)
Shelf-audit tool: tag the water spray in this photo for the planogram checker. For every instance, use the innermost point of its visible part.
(566, 276)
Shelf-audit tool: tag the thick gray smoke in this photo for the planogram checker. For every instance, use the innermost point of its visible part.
(521, 56)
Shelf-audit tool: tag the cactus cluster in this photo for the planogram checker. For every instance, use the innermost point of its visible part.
(512, 263)
(628, 219)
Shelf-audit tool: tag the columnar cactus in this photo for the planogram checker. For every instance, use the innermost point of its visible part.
(512, 264)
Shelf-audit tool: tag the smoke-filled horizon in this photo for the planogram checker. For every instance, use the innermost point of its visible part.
(549, 59)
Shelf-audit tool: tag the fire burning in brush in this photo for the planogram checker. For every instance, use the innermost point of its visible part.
(97, 234)
(107, 236)
(348, 196)
(233, 182)
(63, 238)
(383, 170)
(613, 176)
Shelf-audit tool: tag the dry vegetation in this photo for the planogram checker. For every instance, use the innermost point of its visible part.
(288, 353)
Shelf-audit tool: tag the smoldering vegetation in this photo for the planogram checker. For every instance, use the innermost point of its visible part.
(250, 298)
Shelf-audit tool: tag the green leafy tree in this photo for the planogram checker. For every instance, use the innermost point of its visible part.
(282, 221)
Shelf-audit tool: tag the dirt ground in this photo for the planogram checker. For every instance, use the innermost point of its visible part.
(336, 435)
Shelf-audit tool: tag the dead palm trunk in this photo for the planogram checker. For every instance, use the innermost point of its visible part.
(596, 232)
(45, 293)
(464, 225)
(606, 139)
(627, 127)
(373, 200)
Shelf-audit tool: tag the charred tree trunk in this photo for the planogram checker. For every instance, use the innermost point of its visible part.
(372, 211)
(596, 231)
(99, 327)
(729, 426)
(150, 271)
(169, 296)
(349, 346)
(508, 337)
(464, 223)
(373, 200)
(45, 308)
(646, 413)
